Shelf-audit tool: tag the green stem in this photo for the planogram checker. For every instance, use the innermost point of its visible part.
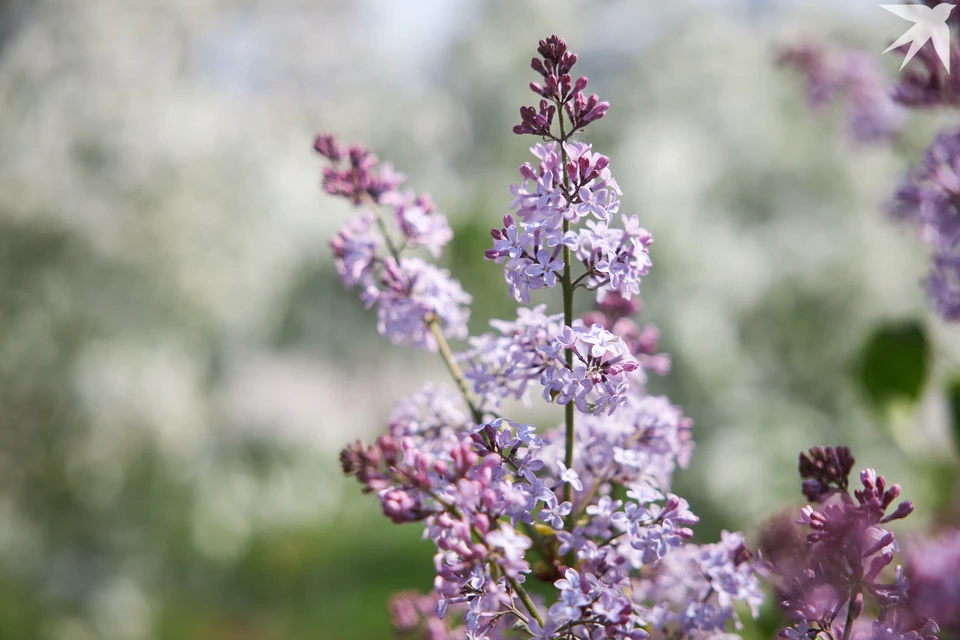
(432, 322)
(448, 358)
(567, 287)
(525, 599)
(848, 625)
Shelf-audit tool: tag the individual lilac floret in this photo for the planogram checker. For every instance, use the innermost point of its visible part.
(409, 293)
(872, 114)
(930, 198)
(597, 381)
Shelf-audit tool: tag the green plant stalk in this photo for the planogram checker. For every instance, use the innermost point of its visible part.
(567, 287)
(432, 322)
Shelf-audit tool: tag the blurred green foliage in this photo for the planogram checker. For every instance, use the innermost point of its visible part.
(895, 364)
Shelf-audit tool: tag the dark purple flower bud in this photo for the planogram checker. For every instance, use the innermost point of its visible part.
(400, 507)
(326, 145)
(826, 471)
(856, 606)
(552, 48)
(876, 566)
(538, 67)
(904, 509)
(351, 458)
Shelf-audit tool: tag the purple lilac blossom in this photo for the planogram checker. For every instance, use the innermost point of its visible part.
(875, 109)
(933, 570)
(503, 364)
(409, 293)
(496, 497)
(615, 259)
(871, 112)
(930, 198)
(597, 382)
(694, 589)
(847, 556)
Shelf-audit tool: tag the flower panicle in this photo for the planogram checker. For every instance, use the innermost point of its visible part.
(501, 501)
(841, 570)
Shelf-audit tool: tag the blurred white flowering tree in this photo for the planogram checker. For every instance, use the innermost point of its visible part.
(172, 333)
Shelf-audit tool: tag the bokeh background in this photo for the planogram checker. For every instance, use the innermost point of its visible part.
(179, 365)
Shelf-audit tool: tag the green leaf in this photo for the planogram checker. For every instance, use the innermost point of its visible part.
(953, 405)
(894, 364)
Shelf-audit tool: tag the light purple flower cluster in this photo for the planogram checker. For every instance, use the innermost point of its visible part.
(840, 584)
(571, 185)
(696, 588)
(930, 198)
(413, 297)
(597, 380)
(871, 111)
(933, 569)
(876, 108)
(503, 364)
(586, 508)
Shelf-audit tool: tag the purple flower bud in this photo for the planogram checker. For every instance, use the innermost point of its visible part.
(326, 145)
(904, 509)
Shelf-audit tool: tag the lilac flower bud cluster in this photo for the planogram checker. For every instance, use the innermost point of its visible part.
(928, 196)
(841, 581)
(586, 508)
(557, 92)
(414, 299)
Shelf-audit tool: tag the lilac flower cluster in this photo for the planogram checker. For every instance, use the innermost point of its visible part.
(586, 508)
(933, 569)
(875, 112)
(930, 198)
(570, 185)
(855, 78)
(697, 587)
(414, 298)
(838, 582)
